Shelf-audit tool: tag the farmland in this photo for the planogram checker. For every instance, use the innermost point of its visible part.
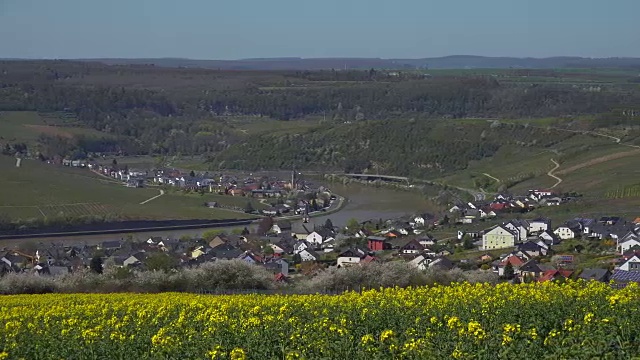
(461, 321)
(27, 126)
(37, 190)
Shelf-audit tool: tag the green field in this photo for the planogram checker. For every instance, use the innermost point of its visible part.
(588, 163)
(38, 189)
(27, 126)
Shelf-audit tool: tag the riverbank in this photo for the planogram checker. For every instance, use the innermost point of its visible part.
(354, 202)
(127, 227)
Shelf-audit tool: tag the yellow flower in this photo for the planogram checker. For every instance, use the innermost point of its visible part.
(453, 322)
(506, 339)
(457, 354)
(293, 355)
(216, 353)
(386, 335)
(367, 339)
(4, 355)
(238, 354)
(588, 317)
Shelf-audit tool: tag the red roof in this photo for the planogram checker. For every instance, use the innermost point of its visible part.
(552, 274)
(280, 277)
(250, 187)
(367, 259)
(514, 260)
(497, 206)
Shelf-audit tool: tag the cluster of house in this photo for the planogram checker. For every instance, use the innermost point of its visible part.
(502, 203)
(508, 234)
(530, 245)
(258, 187)
(281, 246)
(57, 259)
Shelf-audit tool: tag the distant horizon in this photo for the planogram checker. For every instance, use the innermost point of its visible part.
(322, 57)
(250, 29)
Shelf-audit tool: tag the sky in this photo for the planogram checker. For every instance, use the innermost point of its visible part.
(238, 29)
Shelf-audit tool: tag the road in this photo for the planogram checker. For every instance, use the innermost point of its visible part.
(153, 198)
(550, 173)
(617, 140)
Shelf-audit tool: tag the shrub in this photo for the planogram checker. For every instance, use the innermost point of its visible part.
(25, 283)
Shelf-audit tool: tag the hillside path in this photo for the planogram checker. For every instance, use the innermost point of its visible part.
(153, 198)
(550, 173)
(491, 177)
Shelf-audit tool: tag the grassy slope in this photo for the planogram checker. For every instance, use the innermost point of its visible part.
(591, 165)
(36, 187)
(26, 126)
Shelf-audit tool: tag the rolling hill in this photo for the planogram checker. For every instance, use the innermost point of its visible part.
(446, 62)
(39, 190)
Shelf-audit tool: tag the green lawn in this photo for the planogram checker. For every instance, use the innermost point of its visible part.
(273, 127)
(37, 188)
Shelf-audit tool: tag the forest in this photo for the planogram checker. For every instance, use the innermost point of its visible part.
(373, 119)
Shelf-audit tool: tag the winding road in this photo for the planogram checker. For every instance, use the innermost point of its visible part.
(550, 173)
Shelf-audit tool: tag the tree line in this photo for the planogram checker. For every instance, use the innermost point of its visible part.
(160, 111)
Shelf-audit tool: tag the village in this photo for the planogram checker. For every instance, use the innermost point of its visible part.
(517, 250)
(274, 192)
(503, 241)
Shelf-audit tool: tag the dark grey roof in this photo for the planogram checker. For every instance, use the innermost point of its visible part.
(594, 274)
(444, 263)
(624, 276)
(116, 244)
(227, 253)
(528, 246)
(542, 220)
(531, 266)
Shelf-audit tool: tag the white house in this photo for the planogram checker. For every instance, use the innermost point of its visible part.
(276, 249)
(300, 246)
(308, 255)
(131, 261)
(418, 221)
(548, 237)
(348, 260)
(518, 227)
(420, 262)
(538, 225)
(275, 229)
(314, 238)
(632, 264)
(627, 244)
(350, 257)
(564, 233)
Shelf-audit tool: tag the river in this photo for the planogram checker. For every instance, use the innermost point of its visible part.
(364, 203)
(370, 203)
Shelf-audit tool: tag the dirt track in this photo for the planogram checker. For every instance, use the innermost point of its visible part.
(598, 160)
(550, 173)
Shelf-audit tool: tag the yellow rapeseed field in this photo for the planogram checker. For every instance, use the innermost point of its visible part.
(462, 321)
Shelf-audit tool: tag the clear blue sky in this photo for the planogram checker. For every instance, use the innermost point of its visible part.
(233, 29)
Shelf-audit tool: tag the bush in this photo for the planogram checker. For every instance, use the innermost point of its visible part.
(24, 283)
(229, 274)
(368, 276)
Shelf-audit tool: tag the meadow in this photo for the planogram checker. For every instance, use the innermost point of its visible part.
(461, 321)
(37, 190)
(27, 126)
